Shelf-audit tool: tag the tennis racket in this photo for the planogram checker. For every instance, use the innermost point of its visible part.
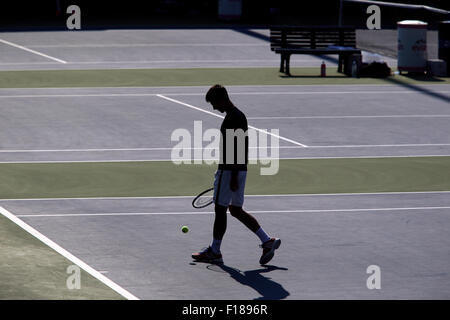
(204, 199)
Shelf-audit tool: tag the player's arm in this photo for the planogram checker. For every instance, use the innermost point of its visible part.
(234, 185)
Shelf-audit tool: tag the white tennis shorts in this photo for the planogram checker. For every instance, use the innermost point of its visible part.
(222, 192)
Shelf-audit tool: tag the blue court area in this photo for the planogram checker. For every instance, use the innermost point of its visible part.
(328, 240)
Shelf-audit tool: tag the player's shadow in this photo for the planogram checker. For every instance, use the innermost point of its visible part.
(265, 286)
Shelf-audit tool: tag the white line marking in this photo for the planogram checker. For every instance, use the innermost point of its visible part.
(306, 92)
(152, 62)
(247, 195)
(67, 254)
(130, 45)
(206, 148)
(32, 51)
(201, 94)
(174, 61)
(263, 87)
(216, 159)
(385, 145)
(121, 149)
(80, 95)
(210, 212)
(23, 63)
(355, 117)
(216, 115)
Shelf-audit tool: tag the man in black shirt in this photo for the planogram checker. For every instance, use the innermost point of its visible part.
(229, 182)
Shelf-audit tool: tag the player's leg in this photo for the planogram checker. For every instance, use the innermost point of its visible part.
(219, 227)
(222, 197)
(268, 244)
(212, 253)
(237, 201)
(247, 219)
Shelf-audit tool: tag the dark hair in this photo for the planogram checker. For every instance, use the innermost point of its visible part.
(217, 93)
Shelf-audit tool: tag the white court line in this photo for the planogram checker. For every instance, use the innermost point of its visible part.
(148, 61)
(385, 145)
(174, 61)
(23, 63)
(217, 159)
(355, 117)
(80, 95)
(210, 212)
(308, 92)
(67, 254)
(202, 93)
(32, 51)
(263, 87)
(216, 115)
(128, 45)
(209, 148)
(299, 86)
(120, 150)
(247, 196)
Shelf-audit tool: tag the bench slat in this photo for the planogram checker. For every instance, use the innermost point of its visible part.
(318, 51)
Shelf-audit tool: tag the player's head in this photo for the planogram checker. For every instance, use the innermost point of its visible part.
(217, 95)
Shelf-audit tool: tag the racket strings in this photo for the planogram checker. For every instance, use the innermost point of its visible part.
(204, 199)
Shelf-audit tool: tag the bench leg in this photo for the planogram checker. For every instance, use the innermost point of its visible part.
(340, 63)
(282, 63)
(288, 60)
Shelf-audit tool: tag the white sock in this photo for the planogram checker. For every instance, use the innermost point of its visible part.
(262, 235)
(215, 246)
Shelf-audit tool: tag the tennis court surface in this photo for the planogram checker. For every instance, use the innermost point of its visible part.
(85, 166)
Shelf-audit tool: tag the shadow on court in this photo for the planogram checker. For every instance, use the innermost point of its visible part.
(265, 286)
(425, 91)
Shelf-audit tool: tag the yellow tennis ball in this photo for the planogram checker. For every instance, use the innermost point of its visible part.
(185, 229)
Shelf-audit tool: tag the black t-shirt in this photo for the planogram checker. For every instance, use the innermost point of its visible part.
(234, 120)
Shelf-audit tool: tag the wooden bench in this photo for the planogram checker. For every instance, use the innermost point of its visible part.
(313, 40)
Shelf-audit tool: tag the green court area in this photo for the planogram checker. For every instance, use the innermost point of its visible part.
(192, 77)
(164, 178)
(30, 270)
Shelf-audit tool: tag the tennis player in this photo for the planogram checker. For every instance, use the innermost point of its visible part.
(229, 182)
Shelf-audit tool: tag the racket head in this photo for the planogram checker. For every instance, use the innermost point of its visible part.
(204, 199)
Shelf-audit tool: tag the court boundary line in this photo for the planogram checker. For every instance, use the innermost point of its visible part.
(157, 61)
(222, 117)
(66, 254)
(178, 61)
(229, 86)
(247, 195)
(350, 210)
(255, 159)
(393, 116)
(88, 95)
(210, 148)
(33, 51)
(137, 45)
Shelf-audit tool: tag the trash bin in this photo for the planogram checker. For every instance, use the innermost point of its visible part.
(444, 43)
(412, 46)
